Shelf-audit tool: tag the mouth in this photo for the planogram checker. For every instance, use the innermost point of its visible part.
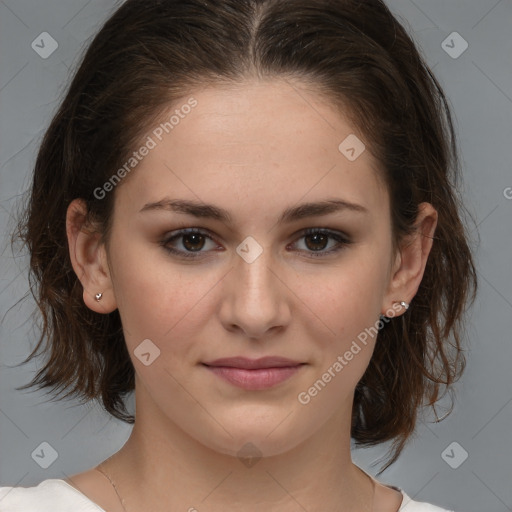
(254, 374)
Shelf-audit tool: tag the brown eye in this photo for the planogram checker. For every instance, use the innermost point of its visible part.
(193, 241)
(316, 242)
(319, 241)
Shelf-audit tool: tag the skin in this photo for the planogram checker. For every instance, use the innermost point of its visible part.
(253, 149)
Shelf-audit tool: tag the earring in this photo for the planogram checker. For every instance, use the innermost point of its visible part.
(98, 296)
(404, 305)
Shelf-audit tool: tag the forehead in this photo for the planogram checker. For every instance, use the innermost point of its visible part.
(262, 141)
(285, 114)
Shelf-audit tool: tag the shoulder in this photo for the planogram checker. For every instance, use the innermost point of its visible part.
(56, 495)
(51, 495)
(391, 495)
(409, 505)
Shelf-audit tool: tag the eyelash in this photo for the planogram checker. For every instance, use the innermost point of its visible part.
(342, 240)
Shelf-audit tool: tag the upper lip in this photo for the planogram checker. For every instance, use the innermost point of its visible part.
(252, 364)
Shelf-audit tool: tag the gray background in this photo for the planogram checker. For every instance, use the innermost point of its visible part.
(479, 85)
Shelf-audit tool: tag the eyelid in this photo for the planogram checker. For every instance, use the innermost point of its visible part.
(178, 233)
(341, 238)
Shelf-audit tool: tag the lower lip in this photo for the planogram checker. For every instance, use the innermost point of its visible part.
(262, 378)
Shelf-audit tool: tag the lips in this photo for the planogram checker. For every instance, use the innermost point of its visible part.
(254, 364)
(254, 374)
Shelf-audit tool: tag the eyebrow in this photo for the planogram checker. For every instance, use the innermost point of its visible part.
(302, 211)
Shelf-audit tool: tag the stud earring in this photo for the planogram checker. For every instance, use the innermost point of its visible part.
(98, 296)
(404, 305)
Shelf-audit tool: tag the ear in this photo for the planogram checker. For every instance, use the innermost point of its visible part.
(410, 262)
(89, 259)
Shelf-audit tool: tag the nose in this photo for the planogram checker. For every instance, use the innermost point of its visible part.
(255, 300)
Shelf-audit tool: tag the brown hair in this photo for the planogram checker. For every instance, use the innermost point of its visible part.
(151, 53)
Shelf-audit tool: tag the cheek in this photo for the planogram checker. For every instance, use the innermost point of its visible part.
(350, 300)
(167, 308)
(348, 313)
(154, 299)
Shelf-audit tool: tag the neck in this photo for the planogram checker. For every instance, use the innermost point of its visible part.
(161, 467)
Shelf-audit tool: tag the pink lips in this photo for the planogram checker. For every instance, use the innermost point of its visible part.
(254, 374)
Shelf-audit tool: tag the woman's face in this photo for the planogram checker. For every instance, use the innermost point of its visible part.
(252, 284)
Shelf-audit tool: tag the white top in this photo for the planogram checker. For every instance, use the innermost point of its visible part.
(56, 495)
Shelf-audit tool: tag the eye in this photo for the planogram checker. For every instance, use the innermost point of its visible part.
(190, 242)
(317, 240)
(193, 240)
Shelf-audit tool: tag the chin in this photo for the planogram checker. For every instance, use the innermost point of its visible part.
(263, 440)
